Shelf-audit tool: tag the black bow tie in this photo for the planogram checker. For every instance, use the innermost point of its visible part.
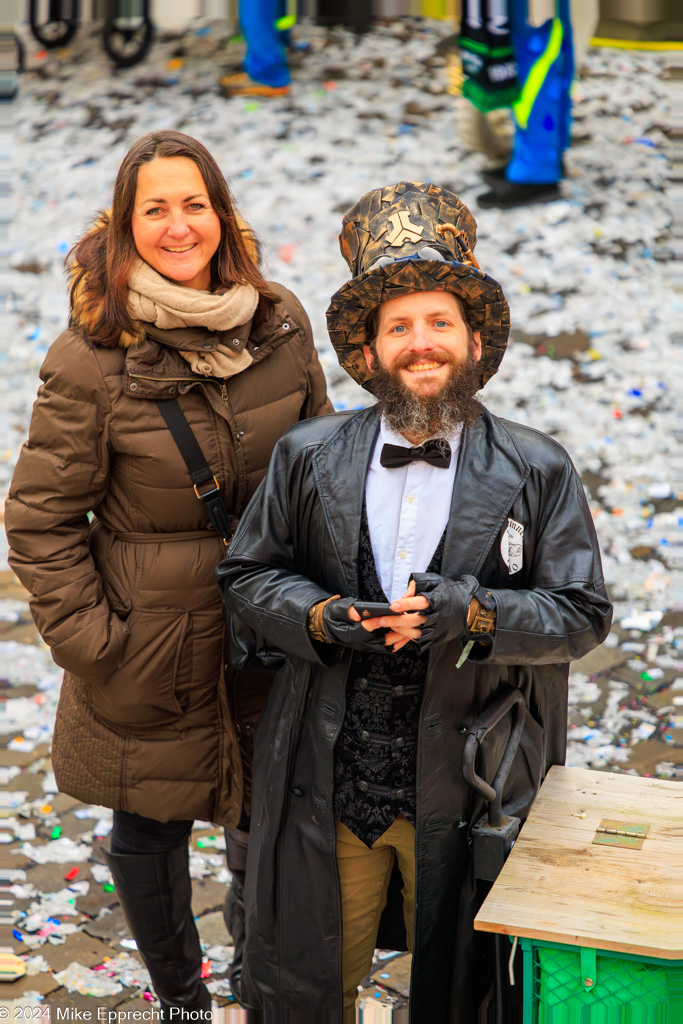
(436, 453)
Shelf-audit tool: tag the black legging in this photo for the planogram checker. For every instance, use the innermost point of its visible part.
(131, 833)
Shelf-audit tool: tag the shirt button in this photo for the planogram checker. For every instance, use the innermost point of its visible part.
(363, 787)
(236, 342)
(403, 554)
(400, 742)
(207, 344)
(399, 691)
(362, 684)
(400, 794)
(205, 367)
(411, 497)
(365, 735)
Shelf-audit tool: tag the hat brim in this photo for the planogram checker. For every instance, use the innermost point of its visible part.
(350, 307)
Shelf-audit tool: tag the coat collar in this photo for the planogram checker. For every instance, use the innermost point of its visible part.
(198, 339)
(491, 472)
(155, 369)
(340, 467)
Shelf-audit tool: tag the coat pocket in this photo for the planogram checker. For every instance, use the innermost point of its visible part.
(142, 690)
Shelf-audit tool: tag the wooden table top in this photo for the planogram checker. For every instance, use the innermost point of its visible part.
(557, 886)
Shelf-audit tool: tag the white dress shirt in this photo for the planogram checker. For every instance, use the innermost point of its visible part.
(408, 509)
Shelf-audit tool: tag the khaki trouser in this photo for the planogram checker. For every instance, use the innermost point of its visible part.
(364, 875)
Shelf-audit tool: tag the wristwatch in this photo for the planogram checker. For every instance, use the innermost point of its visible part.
(484, 620)
(316, 629)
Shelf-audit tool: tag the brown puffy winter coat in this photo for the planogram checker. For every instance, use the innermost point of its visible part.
(127, 601)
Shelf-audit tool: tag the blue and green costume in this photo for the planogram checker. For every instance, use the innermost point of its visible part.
(539, 97)
(264, 25)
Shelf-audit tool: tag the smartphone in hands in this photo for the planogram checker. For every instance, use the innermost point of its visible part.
(373, 609)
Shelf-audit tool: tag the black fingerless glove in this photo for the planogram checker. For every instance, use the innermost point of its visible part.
(341, 630)
(449, 601)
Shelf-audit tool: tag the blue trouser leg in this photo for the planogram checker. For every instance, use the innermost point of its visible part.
(266, 61)
(566, 74)
(543, 134)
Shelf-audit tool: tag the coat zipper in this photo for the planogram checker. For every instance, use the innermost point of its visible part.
(144, 376)
(234, 433)
(242, 482)
(232, 427)
(239, 453)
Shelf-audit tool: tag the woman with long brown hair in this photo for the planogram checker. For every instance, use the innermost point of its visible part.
(109, 535)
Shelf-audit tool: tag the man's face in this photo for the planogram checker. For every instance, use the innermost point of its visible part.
(420, 338)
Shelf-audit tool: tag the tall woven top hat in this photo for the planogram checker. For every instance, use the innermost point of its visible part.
(412, 237)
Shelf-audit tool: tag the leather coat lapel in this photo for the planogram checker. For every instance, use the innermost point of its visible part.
(340, 468)
(491, 472)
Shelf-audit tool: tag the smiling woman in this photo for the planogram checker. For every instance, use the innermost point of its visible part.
(168, 309)
(172, 220)
(175, 228)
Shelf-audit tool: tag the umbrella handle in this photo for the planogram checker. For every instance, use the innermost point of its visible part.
(509, 698)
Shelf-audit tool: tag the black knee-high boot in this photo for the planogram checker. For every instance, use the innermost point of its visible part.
(236, 846)
(155, 892)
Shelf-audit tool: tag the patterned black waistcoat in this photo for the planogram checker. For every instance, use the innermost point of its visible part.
(376, 753)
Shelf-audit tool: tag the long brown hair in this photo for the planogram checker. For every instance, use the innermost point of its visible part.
(100, 263)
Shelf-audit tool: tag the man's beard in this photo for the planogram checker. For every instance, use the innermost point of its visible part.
(436, 415)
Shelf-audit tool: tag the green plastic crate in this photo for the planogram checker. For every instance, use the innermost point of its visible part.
(577, 985)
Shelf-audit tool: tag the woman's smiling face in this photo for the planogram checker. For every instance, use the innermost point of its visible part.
(174, 226)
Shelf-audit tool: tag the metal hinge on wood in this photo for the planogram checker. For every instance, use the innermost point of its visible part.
(625, 834)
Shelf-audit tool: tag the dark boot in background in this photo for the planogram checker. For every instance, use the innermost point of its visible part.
(506, 194)
(155, 893)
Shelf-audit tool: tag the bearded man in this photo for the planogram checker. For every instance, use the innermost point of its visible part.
(476, 531)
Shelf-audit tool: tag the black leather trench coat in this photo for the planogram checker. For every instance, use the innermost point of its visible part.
(298, 544)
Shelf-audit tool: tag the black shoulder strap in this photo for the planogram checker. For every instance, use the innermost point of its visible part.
(223, 522)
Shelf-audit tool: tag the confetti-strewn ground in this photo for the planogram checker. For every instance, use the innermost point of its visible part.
(592, 362)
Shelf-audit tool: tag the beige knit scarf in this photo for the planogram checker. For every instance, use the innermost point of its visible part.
(152, 298)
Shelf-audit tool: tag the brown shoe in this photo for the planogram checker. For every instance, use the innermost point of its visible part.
(241, 84)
